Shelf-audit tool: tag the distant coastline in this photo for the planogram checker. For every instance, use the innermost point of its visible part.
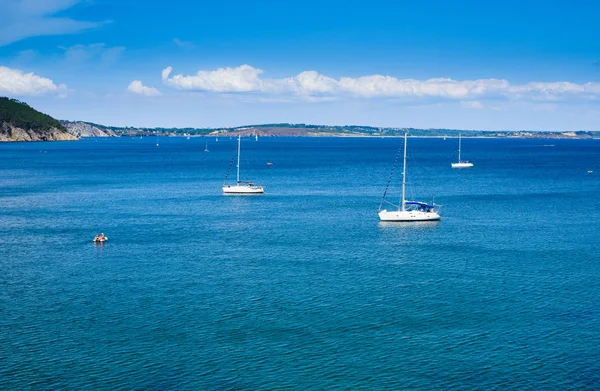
(88, 129)
(21, 122)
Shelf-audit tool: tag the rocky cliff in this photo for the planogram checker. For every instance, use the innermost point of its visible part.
(85, 129)
(9, 132)
(21, 122)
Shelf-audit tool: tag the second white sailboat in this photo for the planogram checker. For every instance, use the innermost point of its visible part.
(241, 187)
(461, 164)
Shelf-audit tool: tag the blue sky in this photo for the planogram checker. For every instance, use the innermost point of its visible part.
(449, 64)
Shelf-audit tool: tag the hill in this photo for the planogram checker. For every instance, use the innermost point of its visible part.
(87, 129)
(21, 122)
(307, 130)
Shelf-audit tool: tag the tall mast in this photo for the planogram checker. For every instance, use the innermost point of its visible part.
(404, 175)
(459, 147)
(238, 163)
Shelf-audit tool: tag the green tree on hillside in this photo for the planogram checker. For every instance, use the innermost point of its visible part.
(21, 115)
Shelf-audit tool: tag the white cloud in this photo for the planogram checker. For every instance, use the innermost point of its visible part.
(137, 87)
(241, 79)
(16, 82)
(311, 85)
(29, 18)
(165, 73)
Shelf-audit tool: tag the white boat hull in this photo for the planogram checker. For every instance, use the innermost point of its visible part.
(462, 165)
(407, 215)
(243, 190)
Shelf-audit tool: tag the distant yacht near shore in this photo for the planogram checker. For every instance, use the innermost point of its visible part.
(461, 164)
(407, 210)
(241, 187)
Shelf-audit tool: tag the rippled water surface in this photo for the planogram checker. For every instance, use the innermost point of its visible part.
(301, 288)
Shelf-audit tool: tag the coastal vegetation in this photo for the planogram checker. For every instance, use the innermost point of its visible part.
(23, 116)
(21, 122)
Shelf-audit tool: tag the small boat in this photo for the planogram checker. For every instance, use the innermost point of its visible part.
(407, 210)
(100, 238)
(206, 148)
(461, 164)
(241, 187)
(269, 164)
(590, 171)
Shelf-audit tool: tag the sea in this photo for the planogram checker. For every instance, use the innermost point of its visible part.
(302, 288)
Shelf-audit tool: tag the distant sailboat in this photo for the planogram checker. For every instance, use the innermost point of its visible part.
(461, 164)
(206, 148)
(241, 187)
(255, 137)
(407, 210)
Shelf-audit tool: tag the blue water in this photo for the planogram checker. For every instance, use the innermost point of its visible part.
(301, 288)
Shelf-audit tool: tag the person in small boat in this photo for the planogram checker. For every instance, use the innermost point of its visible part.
(96, 238)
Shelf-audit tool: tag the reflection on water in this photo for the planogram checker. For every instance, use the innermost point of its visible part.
(408, 224)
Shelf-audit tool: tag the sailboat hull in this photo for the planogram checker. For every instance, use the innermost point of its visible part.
(407, 215)
(243, 190)
(462, 165)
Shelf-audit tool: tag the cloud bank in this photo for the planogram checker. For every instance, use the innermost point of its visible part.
(18, 83)
(311, 84)
(241, 79)
(138, 88)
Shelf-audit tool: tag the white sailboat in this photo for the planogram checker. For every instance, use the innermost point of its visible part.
(408, 210)
(461, 164)
(206, 148)
(241, 187)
